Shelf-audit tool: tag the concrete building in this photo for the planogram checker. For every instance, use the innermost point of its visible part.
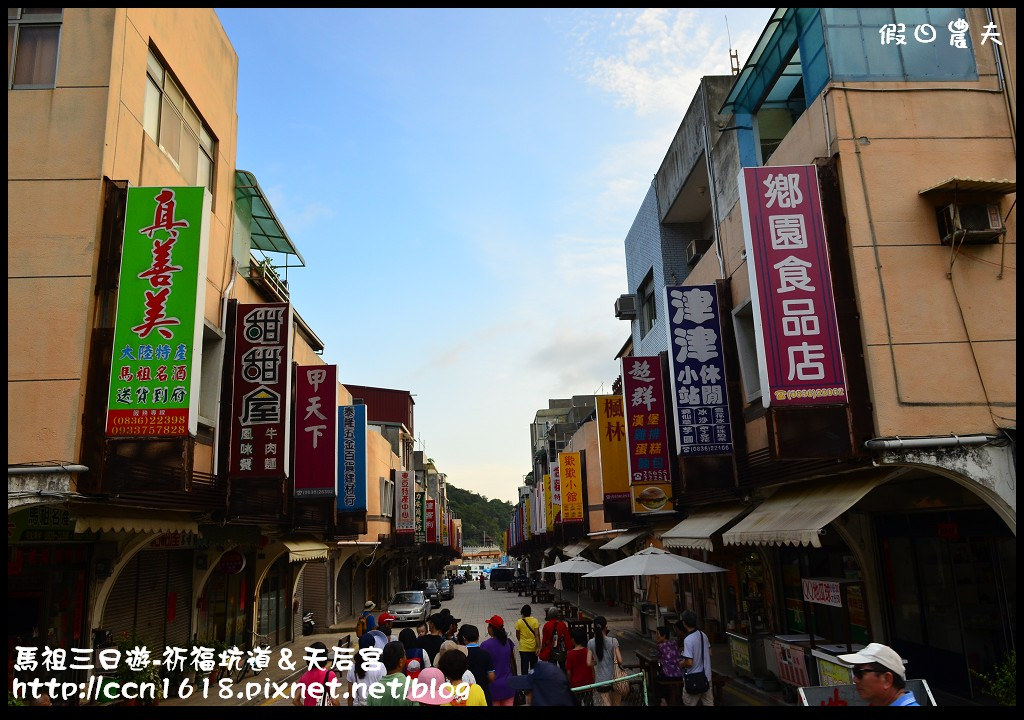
(161, 536)
(904, 494)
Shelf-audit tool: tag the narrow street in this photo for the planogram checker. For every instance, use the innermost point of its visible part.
(473, 606)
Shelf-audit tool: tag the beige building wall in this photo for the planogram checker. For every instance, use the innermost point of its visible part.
(585, 439)
(61, 143)
(939, 327)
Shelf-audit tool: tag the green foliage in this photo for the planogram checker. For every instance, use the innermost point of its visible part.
(1001, 683)
(480, 516)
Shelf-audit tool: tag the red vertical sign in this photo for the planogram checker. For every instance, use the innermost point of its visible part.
(262, 392)
(791, 286)
(646, 434)
(316, 430)
(431, 521)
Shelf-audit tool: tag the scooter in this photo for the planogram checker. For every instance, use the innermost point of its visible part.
(308, 624)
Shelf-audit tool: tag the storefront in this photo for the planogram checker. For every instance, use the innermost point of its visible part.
(47, 581)
(950, 584)
(225, 614)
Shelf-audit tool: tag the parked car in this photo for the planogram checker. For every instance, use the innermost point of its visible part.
(429, 588)
(410, 606)
(445, 589)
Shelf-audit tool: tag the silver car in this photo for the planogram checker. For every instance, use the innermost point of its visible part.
(409, 606)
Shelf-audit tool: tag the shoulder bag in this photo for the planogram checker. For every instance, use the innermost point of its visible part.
(696, 683)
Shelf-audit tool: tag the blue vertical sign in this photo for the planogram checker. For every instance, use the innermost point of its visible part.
(698, 371)
(352, 458)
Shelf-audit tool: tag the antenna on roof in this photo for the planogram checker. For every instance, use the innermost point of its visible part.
(734, 57)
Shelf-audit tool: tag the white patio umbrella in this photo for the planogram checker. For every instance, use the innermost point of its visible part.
(654, 561)
(574, 566)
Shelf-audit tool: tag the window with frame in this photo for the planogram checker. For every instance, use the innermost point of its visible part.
(746, 346)
(173, 123)
(648, 306)
(33, 41)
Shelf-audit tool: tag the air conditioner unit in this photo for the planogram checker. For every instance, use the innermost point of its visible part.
(625, 307)
(970, 223)
(693, 253)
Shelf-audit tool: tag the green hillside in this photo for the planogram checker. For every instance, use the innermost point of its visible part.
(480, 517)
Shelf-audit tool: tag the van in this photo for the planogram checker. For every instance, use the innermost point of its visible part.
(501, 577)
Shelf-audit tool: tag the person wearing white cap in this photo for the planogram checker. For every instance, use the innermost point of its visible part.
(880, 676)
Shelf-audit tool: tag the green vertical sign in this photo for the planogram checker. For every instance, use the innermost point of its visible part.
(420, 511)
(154, 373)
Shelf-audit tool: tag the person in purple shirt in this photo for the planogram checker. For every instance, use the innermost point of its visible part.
(668, 664)
(502, 653)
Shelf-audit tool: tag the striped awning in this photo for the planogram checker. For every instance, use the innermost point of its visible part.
(1002, 186)
(305, 550)
(577, 549)
(696, 530)
(795, 515)
(134, 524)
(620, 541)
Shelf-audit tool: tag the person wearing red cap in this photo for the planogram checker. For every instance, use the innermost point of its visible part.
(384, 622)
(502, 653)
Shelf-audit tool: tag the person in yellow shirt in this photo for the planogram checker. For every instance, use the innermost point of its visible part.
(528, 637)
(453, 664)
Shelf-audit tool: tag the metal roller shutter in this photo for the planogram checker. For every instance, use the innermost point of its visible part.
(359, 587)
(180, 584)
(119, 614)
(343, 590)
(314, 593)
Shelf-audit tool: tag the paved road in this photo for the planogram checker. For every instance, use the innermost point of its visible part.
(474, 606)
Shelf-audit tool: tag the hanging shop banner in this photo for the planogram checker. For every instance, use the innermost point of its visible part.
(647, 438)
(419, 509)
(261, 400)
(697, 364)
(352, 468)
(611, 447)
(316, 430)
(570, 468)
(556, 495)
(442, 524)
(549, 508)
(431, 521)
(652, 499)
(158, 330)
(794, 310)
(405, 523)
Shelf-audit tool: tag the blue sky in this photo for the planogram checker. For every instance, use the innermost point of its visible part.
(460, 184)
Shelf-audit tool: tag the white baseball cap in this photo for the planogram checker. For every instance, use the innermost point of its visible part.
(880, 654)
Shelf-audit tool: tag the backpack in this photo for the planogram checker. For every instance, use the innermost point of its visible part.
(361, 625)
(556, 645)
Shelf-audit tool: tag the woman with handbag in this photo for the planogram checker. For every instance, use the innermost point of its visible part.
(603, 655)
(696, 663)
(528, 636)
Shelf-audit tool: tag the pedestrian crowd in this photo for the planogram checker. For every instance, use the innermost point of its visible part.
(444, 662)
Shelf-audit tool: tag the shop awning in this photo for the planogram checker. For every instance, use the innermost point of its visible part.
(696, 530)
(577, 549)
(795, 515)
(305, 550)
(134, 524)
(266, 231)
(622, 540)
(1000, 186)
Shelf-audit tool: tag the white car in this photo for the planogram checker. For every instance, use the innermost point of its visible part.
(409, 606)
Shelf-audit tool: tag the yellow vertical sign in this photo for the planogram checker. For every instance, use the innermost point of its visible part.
(549, 508)
(572, 486)
(611, 446)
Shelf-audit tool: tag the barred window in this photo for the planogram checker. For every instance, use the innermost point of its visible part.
(33, 39)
